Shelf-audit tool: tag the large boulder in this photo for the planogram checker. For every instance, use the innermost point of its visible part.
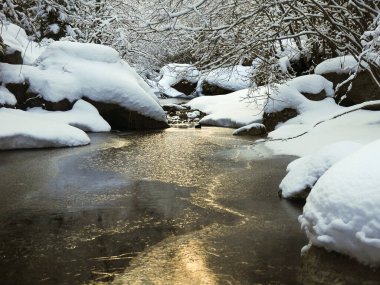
(360, 89)
(271, 120)
(120, 118)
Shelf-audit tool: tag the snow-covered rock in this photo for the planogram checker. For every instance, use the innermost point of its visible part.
(351, 87)
(343, 64)
(304, 172)
(71, 71)
(15, 39)
(20, 129)
(6, 97)
(254, 129)
(83, 116)
(232, 110)
(175, 73)
(226, 80)
(342, 212)
(290, 94)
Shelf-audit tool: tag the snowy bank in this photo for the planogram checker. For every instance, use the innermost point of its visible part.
(19, 129)
(330, 123)
(342, 212)
(304, 172)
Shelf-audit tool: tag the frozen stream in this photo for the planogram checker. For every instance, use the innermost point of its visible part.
(172, 207)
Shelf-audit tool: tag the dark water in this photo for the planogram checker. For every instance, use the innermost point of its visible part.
(171, 207)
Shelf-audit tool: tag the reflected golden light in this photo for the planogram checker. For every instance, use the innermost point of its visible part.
(180, 262)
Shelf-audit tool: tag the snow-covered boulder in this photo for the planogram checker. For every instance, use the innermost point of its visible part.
(254, 129)
(288, 100)
(304, 172)
(360, 89)
(83, 116)
(232, 110)
(178, 80)
(20, 129)
(6, 97)
(226, 80)
(342, 212)
(18, 47)
(67, 71)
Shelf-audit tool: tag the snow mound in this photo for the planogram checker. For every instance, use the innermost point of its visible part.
(231, 78)
(83, 116)
(68, 70)
(304, 172)
(84, 51)
(231, 110)
(19, 129)
(17, 40)
(6, 97)
(340, 65)
(289, 94)
(342, 212)
(174, 73)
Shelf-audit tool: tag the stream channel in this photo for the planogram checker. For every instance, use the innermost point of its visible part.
(179, 206)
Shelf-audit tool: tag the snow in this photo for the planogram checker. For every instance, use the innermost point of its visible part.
(340, 65)
(247, 128)
(193, 115)
(342, 212)
(174, 106)
(17, 40)
(67, 70)
(6, 97)
(231, 78)
(174, 73)
(231, 110)
(83, 116)
(284, 64)
(289, 94)
(20, 129)
(304, 172)
(325, 124)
